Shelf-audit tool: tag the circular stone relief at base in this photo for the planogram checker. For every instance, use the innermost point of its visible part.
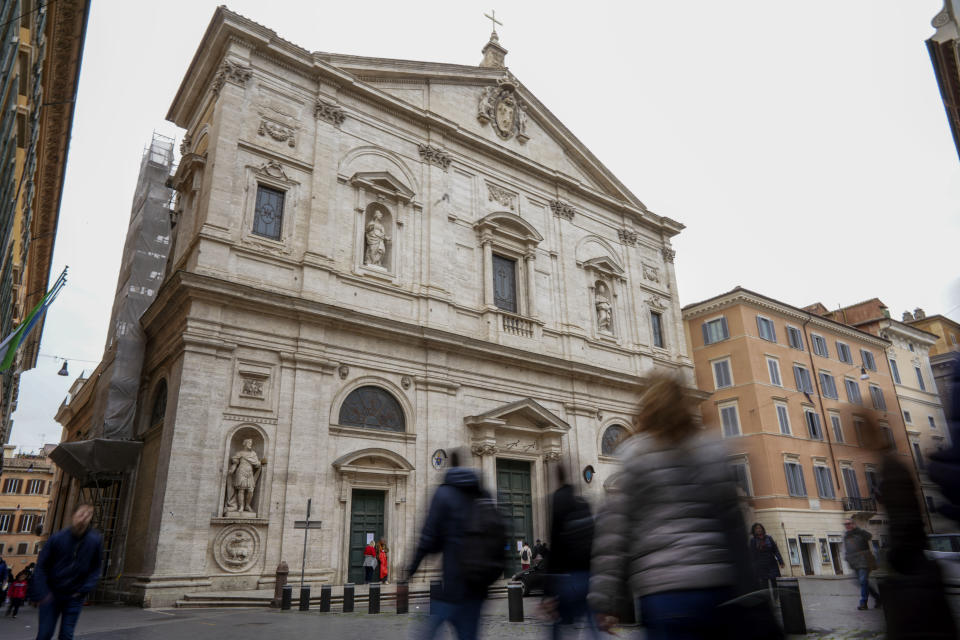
(236, 548)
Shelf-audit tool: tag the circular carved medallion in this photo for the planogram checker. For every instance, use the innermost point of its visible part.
(236, 548)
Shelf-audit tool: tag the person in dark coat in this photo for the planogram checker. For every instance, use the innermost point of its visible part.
(765, 558)
(68, 569)
(443, 532)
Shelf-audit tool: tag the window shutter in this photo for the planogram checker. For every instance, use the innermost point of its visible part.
(797, 379)
(723, 323)
(706, 333)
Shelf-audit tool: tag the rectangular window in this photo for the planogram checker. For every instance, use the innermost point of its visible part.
(795, 337)
(853, 391)
(767, 331)
(843, 353)
(907, 418)
(813, 424)
(918, 456)
(22, 549)
(795, 485)
(824, 551)
(26, 13)
(783, 419)
(794, 551)
(23, 81)
(656, 328)
(505, 283)
(933, 425)
(868, 360)
(824, 482)
(837, 427)
(773, 368)
(828, 385)
(850, 482)
(802, 377)
(730, 420)
(819, 345)
(721, 374)
(895, 371)
(741, 476)
(27, 522)
(923, 387)
(6, 522)
(35, 487)
(268, 214)
(21, 131)
(871, 476)
(879, 402)
(715, 331)
(12, 485)
(888, 436)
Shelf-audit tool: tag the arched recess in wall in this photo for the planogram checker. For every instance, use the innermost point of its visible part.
(373, 403)
(373, 159)
(592, 247)
(612, 436)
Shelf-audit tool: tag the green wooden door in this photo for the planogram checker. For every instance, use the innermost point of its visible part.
(515, 499)
(366, 517)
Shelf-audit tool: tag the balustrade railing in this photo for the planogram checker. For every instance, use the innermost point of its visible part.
(516, 325)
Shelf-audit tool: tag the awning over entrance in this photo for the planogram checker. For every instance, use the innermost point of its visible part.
(96, 461)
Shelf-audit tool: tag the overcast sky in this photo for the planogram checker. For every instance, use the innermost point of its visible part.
(803, 144)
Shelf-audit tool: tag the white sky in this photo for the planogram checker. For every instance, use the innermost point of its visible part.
(804, 144)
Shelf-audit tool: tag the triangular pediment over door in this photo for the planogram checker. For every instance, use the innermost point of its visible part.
(524, 426)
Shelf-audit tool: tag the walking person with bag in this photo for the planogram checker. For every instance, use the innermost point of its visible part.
(463, 524)
(526, 556)
(369, 561)
(857, 553)
(765, 558)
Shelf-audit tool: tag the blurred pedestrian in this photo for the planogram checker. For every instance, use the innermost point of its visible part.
(571, 530)
(463, 524)
(857, 553)
(68, 569)
(17, 593)
(4, 580)
(382, 560)
(765, 558)
(673, 530)
(369, 561)
(526, 556)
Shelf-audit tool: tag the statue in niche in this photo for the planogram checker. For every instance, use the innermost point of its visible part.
(375, 241)
(604, 310)
(242, 478)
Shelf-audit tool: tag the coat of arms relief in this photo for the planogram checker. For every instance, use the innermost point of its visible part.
(504, 110)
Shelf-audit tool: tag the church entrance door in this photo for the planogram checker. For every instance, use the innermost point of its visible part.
(515, 499)
(366, 523)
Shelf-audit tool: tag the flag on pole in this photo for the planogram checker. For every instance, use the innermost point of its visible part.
(10, 344)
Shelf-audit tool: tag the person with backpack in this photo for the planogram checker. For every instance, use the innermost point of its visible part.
(463, 524)
(571, 531)
(526, 556)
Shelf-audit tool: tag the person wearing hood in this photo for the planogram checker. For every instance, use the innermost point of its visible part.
(458, 602)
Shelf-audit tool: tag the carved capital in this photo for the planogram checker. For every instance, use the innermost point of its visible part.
(562, 209)
(231, 72)
(435, 156)
(185, 144)
(668, 254)
(628, 237)
(330, 112)
(484, 449)
(551, 456)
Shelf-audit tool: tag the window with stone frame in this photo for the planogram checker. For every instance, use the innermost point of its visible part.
(796, 486)
(35, 487)
(268, 212)
(371, 407)
(6, 522)
(824, 481)
(612, 437)
(12, 485)
(656, 328)
(505, 283)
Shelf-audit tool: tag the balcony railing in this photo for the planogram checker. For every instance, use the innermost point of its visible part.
(860, 504)
(517, 325)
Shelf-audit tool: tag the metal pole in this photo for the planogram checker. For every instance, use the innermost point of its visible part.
(306, 530)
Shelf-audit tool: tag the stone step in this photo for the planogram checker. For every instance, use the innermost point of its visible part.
(216, 601)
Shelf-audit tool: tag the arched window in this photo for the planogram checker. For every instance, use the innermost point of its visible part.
(159, 409)
(372, 408)
(612, 437)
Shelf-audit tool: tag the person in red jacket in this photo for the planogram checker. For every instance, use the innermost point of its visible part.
(17, 593)
(382, 559)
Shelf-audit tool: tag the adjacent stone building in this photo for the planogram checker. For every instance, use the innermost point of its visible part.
(24, 497)
(376, 262)
(790, 390)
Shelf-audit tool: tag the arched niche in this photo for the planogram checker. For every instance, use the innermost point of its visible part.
(394, 391)
(611, 437)
(244, 469)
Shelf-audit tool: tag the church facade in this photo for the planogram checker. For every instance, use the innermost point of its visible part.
(374, 263)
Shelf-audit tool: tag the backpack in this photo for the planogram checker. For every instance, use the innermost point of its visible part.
(484, 535)
(576, 531)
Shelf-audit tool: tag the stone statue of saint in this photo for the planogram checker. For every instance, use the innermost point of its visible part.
(375, 241)
(242, 478)
(604, 310)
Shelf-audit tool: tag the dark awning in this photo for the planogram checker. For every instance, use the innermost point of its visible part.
(99, 458)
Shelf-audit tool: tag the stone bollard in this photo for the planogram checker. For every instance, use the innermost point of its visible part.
(348, 597)
(791, 606)
(282, 572)
(403, 596)
(435, 590)
(286, 597)
(305, 598)
(373, 598)
(325, 593)
(515, 602)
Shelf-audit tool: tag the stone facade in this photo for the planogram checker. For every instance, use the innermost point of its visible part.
(376, 262)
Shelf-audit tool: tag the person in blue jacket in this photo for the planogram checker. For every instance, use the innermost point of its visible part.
(68, 569)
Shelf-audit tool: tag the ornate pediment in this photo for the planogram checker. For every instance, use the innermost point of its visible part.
(373, 460)
(525, 414)
(384, 183)
(509, 225)
(604, 265)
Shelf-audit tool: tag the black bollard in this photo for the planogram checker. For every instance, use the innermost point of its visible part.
(348, 598)
(791, 606)
(305, 598)
(325, 592)
(435, 587)
(515, 601)
(286, 595)
(403, 597)
(373, 598)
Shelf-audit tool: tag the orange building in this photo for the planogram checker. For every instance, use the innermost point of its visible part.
(790, 390)
(25, 487)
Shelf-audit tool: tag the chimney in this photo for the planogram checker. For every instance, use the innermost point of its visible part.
(919, 314)
(907, 316)
(8, 451)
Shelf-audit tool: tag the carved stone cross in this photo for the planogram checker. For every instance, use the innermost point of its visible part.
(493, 20)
